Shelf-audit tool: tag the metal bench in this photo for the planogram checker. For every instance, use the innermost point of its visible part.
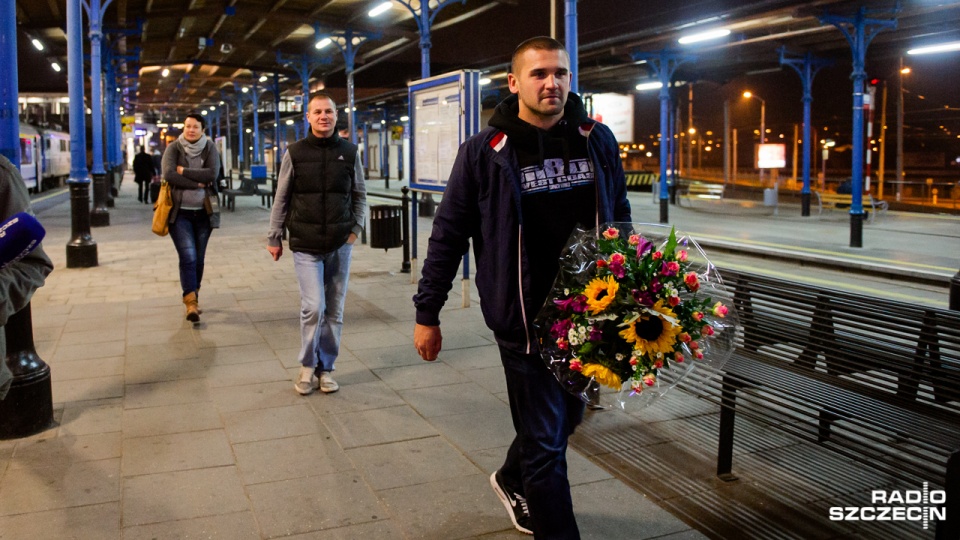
(700, 190)
(248, 187)
(640, 180)
(830, 201)
(873, 380)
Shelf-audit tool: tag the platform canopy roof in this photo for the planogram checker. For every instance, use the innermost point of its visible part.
(208, 45)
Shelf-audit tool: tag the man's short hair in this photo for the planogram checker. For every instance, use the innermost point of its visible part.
(540, 43)
(321, 95)
(199, 118)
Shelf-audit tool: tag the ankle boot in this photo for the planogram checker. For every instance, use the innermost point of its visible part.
(190, 301)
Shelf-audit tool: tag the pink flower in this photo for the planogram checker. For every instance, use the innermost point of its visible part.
(633, 360)
(611, 233)
(678, 357)
(616, 265)
(563, 344)
(693, 345)
(617, 258)
(658, 364)
(670, 268)
(699, 355)
(634, 240)
(575, 364)
(601, 263)
(649, 379)
(643, 247)
(707, 330)
(674, 301)
(697, 316)
(560, 328)
(720, 310)
(684, 337)
(692, 281)
(657, 255)
(681, 255)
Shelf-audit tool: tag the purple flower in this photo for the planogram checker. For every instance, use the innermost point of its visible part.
(576, 304)
(560, 328)
(595, 334)
(645, 298)
(643, 247)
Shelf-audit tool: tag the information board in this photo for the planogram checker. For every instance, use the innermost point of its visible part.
(444, 112)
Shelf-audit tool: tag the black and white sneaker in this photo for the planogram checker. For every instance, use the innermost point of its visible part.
(515, 504)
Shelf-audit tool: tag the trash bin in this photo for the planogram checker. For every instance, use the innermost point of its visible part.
(770, 197)
(385, 226)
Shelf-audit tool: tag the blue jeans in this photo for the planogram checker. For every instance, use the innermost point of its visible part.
(190, 233)
(323, 291)
(544, 416)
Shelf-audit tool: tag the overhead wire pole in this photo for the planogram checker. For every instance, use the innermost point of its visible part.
(99, 216)
(81, 249)
(664, 63)
(807, 68)
(859, 31)
(348, 42)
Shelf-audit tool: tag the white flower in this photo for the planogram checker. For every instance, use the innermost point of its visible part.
(619, 356)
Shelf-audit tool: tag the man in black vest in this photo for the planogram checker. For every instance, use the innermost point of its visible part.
(321, 199)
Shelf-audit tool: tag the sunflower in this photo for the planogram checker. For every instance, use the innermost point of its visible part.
(651, 334)
(600, 293)
(602, 375)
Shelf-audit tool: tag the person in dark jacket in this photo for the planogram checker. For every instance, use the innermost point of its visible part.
(190, 165)
(321, 199)
(143, 173)
(518, 189)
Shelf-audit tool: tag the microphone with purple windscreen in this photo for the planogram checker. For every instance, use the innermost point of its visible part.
(19, 235)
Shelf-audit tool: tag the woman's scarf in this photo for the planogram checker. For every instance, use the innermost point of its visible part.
(193, 149)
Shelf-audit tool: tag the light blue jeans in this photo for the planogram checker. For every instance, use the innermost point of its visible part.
(323, 291)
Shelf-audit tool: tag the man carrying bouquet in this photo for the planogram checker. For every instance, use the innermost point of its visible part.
(518, 189)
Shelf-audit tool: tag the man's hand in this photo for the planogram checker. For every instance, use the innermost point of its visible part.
(427, 340)
(352, 238)
(276, 252)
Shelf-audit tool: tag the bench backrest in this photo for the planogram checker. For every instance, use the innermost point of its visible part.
(896, 351)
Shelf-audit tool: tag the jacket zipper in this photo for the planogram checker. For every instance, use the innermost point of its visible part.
(523, 304)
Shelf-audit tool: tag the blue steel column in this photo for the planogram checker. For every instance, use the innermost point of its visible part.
(570, 34)
(109, 104)
(99, 216)
(9, 90)
(664, 64)
(349, 50)
(276, 124)
(304, 66)
(240, 149)
(81, 249)
(807, 68)
(257, 157)
(863, 31)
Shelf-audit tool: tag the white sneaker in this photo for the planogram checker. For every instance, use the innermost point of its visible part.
(327, 384)
(307, 382)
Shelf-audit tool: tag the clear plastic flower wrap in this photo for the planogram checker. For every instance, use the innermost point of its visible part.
(635, 308)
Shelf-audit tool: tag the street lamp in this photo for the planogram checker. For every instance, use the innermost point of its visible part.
(763, 122)
(903, 71)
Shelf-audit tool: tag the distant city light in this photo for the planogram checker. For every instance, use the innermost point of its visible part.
(165, 72)
(37, 43)
(324, 42)
(704, 36)
(380, 9)
(942, 47)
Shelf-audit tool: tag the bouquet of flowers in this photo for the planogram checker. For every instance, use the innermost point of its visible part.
(633, 312)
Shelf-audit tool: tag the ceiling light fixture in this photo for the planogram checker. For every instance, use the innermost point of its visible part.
(942, 47)
(380, 9)
(37, 43)
(324, 42)
(56, 67)
(653, 85)
(704, 36)
(165, 72)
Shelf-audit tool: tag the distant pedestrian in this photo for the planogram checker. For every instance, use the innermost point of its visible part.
(143, 173)
(321, 199)
(190, 166)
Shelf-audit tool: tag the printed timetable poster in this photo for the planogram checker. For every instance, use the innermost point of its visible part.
(444, 112)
